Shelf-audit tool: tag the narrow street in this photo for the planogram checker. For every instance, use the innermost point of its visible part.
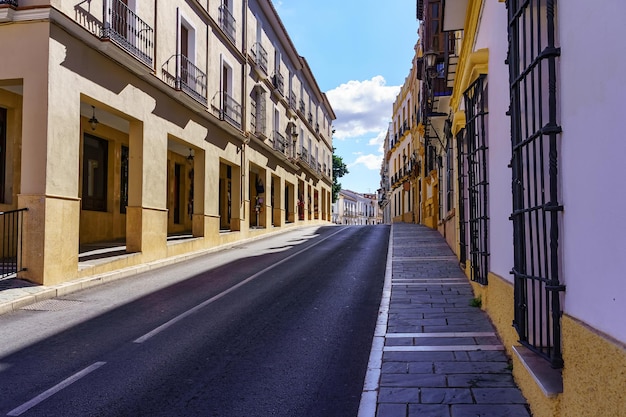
(280, 326)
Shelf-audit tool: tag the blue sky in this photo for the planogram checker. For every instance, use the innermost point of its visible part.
(360, 52)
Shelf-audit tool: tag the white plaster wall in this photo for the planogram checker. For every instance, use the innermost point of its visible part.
(592, 89)
(492, 34)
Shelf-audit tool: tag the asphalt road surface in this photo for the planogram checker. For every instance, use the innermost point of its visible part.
(280, 326)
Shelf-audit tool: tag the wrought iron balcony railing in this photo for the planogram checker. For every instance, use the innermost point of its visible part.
(227, 22)
(181, 74)
(280, 143)
(292, 100)
(302, 106)
(304, 155)
(123, 27)
(278, 82)
(260, 56)
(228, 109)
(9, 2)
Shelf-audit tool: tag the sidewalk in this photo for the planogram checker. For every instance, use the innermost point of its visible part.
(434, 355)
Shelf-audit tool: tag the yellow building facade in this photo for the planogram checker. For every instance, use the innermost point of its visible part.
(404, 153)
(521, 225)
(169, 127)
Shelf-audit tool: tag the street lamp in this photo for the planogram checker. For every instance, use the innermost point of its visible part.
(430, 60)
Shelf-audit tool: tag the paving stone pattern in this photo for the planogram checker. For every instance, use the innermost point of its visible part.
(441, 357)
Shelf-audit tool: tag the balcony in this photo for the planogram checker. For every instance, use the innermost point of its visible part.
(124, 28)
(9, 2)
(178, 72)
(227, 108)
(304, 155)
(292, 100)
(280, 143)
(278, 83)
(227, 22)
(260, 57)
(302, 107)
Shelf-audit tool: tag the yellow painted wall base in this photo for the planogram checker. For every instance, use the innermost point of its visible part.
(146, 232)
(498, 300)
(58, 234)
(594, 374)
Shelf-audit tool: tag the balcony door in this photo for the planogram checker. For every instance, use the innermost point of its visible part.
(184, 52)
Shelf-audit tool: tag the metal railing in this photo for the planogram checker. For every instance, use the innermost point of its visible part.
(304, 155)
(186, 77)
(535, 161)
(9, 2)
(227, 107)
(227, 22)
(278, 82)
(12, 223)
(292, 100)
(260, 56)
(280, 143)
(123, 27)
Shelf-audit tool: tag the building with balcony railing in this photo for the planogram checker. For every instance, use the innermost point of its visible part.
(401, 172)
(356, 209)
(505, 122)
(169, 147)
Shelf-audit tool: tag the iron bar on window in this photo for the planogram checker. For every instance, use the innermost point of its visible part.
(477, 185)
(535, 134)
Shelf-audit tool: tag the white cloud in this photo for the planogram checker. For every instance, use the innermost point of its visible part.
(379, 141)
(370, 161)
(362, 107)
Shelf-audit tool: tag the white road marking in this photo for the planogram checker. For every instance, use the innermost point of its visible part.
(223, 293)
(49, 393)
(443, 334)
(449, 348)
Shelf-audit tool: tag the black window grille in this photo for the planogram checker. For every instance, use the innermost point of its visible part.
(462, 180)
(535, 133)
(476, 110)
(449, 173)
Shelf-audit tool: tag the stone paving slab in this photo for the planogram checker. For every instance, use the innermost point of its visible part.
(440, 357)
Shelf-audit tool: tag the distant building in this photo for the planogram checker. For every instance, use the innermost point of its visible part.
(356, 209)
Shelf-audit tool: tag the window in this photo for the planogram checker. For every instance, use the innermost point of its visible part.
(535, 132)
(476, 110)
(95, 163)
(449, 174)
(186, 49)
(434, 17)
(230, 110)
(462, 180)
(227, 21)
